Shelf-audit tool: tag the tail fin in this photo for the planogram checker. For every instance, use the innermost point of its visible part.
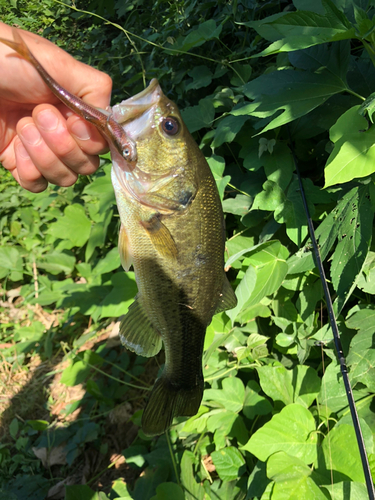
(20, 46)
(168, 401)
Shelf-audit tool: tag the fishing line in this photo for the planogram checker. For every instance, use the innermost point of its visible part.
(336, 335)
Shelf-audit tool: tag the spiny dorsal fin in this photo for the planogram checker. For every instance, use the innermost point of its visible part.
(160, 237)
(125, 249)
(228, 298)
(138, 334)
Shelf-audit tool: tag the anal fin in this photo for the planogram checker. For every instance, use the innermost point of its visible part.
(160, 237)
(137, 332)
(228, 298)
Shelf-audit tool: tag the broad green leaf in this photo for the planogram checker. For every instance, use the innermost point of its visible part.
(355, 220)
(222, 421)
(366, 280)
(199, 35)
(228, 128)
(200, 116)
(276, 382)
(57, 262)
(268, 279)
(228, 462)
(254, 403)
(279, 165)
(295, 93)
(74, 226)
(231, 396)
(217, 166)
(299, 385)
(119, 299)
(341, 454)
(167, 491)
(335, 57)
(292, 213)
(110, 262)
(98, 234)
(347, 490)
(80, 492)
(197, 422)
(354, 154)
(10, 263)
(146, 485)
(293, 478)
(77, 372)
(291, 430)
(240, 205)
(201, 76)
(266, 271)
(193, 490)
(361, 357)
(270, 198)
(302, 29)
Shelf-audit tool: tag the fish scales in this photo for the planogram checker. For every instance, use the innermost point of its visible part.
(172, 232)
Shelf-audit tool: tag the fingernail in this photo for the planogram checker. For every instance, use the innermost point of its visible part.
(79, 129)
(47, 120)
(30, 134)
(22, 151)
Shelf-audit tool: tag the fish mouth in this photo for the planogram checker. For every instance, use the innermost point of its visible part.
(135, 114)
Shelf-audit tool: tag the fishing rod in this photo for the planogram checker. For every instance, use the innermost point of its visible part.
(336, 335)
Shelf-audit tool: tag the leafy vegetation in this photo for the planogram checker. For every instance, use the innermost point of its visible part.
(274, 422)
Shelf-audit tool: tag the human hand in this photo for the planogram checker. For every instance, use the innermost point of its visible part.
(41, 140)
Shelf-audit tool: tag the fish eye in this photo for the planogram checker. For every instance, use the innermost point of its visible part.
(170, 125)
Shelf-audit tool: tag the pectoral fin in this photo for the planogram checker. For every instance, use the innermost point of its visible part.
(160, 237)
(125, 249)
(138, 334)
(228, 298)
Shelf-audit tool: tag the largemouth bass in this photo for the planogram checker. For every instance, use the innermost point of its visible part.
(172, 232)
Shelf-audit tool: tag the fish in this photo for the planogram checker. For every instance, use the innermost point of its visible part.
(172, 232)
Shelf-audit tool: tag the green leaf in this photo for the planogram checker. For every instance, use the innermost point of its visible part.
(341, 455)
(229, 463)
(10, 263)
(227, 129)
(299, 385)
(231, 396)
(73, 226)
(217, 166)
(202, 77)
(347, 490)
(295, 93)
(361, 357)
(198, 117)
(293, 478)
(266, 271)
(354, 154)
(292, 213)
(121, 296)
(355, 233)
(198, 36)
(167, 491)
(80, 492)
(255, 404)
(291, 430)
(302, 29)
(57, 262)
(270, 198)
(193, 490)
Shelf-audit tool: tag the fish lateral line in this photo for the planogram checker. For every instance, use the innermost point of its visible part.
(105, 123)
